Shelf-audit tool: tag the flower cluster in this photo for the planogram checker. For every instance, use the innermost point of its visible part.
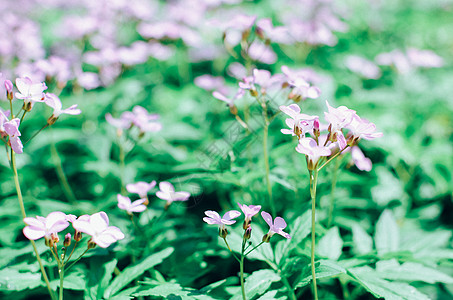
(314, 145)
(96, 226)
(275, 226)
(166, 192)
(138, 117)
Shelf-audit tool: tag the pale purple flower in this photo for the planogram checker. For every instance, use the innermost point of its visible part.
(277, 34)
(12, 129)
(213, 218)
(54, 102)
(313, 152)
(30, 92)
(275, 226)
(424, 58)
(122, 122)
(395, 58)
(339, 118)
(3, 118)
(361, 128)
(363, 67)
(262, 78)
(209, 82)
(261, 52)
(9, 88)
(299, 124)
(228, 101)
(362, 162)
(44, 227)
(145, 121)
(97, 226)
(131, 207)
(249, 212)
(297, 81)
(141, 188)
(167, 192)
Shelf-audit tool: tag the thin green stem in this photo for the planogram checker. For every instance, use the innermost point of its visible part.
(266, 158)
(72, 251)
(313, 182)
(11, 109)
(234, 255)
(69, 194)
(77, 259)
(22, 209)
(61, 271)
(254, 248)
(332, 192)
(23, 116)
(291, 293)
(122, 166)
(242, 269)
(333, 157)
(36, 133)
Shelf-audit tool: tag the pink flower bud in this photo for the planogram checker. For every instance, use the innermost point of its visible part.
(9, 89)
(67, 240)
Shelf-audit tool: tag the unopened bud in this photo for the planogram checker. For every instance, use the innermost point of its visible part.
(9, 89)
(254, 93)
(248, 233)
(167, 205)
(245, 35)
(316, 131)
(233, 109)
(91, 244)
(27, 106)
(55, 238)
(223, 232)
(67, 240)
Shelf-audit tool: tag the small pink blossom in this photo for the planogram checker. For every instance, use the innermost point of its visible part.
(299, 124)
(261, 52)
(136, 206)
(12, 129)
(30, 92)
(167, 193)
(209, 82)
(54, 102)
(44, 227)
(213, 218)
(339, 118)
(362, 162)
(97, 226)
(141, 188)
(310, 148)
(299, 84)
(275, 226)
(363, 67)
(361, 128)
(249, 212)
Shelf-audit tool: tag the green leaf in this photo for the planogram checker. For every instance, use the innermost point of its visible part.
(382, 288)
(72, 281)
(323, 269)
(271, 295)
(13, 280)
(331, 244)
(131, 273)
(387, 233)
(300, 228)
(172, 291)
(410, 271)
(363, 243)
(258, 283)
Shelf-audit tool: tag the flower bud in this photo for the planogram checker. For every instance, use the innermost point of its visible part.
(27, 106)
(254, 93)
(55, 238)
(91, 244)
(77, 236)
(248, 233)
(233, 109)
(51, 120)
(223, 232)
(9, 89)
(67, 240)
(266, 238)
(316, 131)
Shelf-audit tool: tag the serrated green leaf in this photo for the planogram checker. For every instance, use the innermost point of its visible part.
(381, 288)
(410, 271)
(258, 283)
(13, 280)
(386, 236)
(331, 245)
(132, 272)
(363, 243)
(323, 269)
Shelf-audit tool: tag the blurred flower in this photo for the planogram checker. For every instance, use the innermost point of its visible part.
(229, 101)
(424, 58)
(97, 226)
(44, 227)
(210, 83)
(30, 92)
(12, 129)
(313, 152)
(299, 124)
(122, 122)
(275, 226)
(277, 34)
(125, 204)
(362, 163)
(167, 192)
(297, 81)
(249, 212)
(361, 128)
(141, 188)
(261, 52)
(363, 67)
(54, 102)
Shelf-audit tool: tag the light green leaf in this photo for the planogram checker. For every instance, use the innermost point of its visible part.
(387, 233)
(72, 281)
(410, 271)
(363, 243)
(131, 273)
(323, 269)
(382, 288)
(258, 283)
(13, 280)
(172, 291)
(331, 244)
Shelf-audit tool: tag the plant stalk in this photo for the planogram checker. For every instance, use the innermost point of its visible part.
(266, 159)
(313, 182)
(242, 269)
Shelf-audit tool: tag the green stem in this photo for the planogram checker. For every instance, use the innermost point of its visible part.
(266, 159)
(23, 116)
(22, 209)
(330, 159)
(291, 293)
(61, 175)
(11, 109)
(122, 166)
(36, 133)
(313, 182)
(242, 269)
(332, 192)
(234, 255)
(254, 248)
(61, 271)
(77, 259)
